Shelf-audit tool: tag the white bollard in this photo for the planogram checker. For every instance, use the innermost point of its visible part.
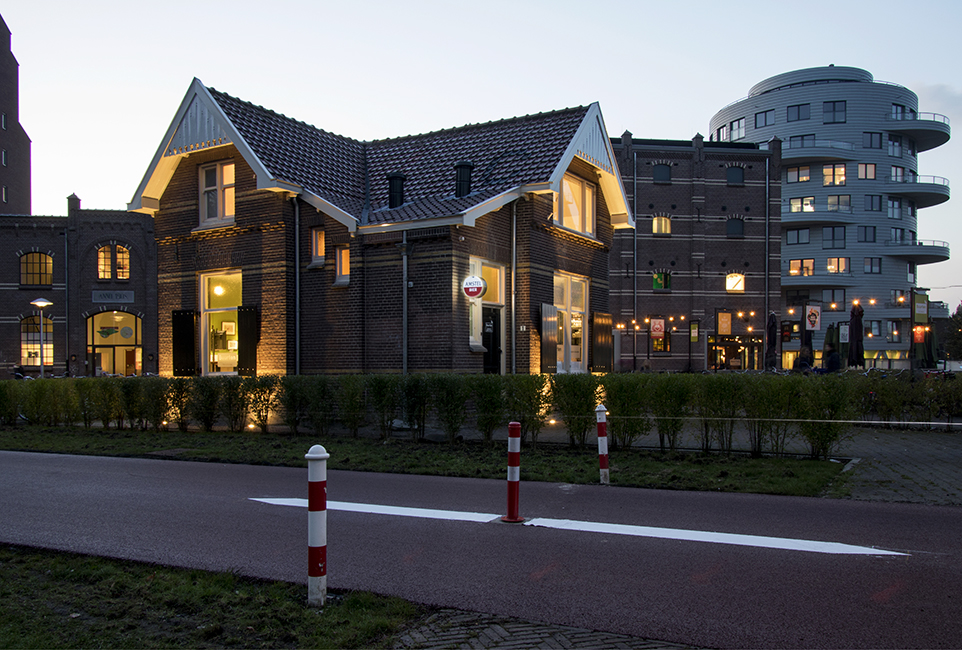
(317, 525)
(602, 442)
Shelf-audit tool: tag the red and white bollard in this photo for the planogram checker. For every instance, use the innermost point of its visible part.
(514, 472)
(317, 525)
(602, 442)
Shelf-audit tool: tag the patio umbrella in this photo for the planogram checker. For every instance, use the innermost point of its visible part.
(772, 333)
(931, 357)
(856, 347)
(831, 338)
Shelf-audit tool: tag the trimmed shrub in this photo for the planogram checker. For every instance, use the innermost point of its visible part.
(824, 404)
(178, 395)
(234, 403)
(156, 401)
(627, 398)
(350, 402)
(528, 400)
(64, 405)
(11, 397)
(37, 402)
(131, 402)
(415, 401)
(384, 395)
(451, 394)
(106, 396)
(487, 390)
(321, 395)
(263, 395)
(205, 394)
(576, 398)
(293, 400)
(671, 397)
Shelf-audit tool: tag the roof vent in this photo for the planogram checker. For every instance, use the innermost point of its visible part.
(395, 189)
(462, 178)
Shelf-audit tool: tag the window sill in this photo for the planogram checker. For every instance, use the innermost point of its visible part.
(661, 234)
(340, 283)
(478, 348)
(316, 264)
(736, 185)
(214, 225)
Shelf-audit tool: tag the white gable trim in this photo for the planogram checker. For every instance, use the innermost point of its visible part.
(592, 144)
(201, 124)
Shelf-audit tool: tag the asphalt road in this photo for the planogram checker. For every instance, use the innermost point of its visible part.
(707, 594)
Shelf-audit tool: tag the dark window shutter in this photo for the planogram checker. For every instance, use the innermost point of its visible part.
(184, 339)
(602, 343)
(248, 336)
(549, 338)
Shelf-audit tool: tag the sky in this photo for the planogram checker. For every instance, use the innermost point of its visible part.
(100, 80)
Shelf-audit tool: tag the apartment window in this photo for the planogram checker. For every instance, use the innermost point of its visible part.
(908, 208)
(873, 265)
(840, 203)
(738, 129)
(798, 174)
(910, 148)
(660, 226)
(873, 328)
(897, 235)
(895, 208)
(30, 341)
(735, 228)
(765, 118)
(342, 266)
(799, 112)
(801, 267)
(801, 141)
(894, 335)
(661, 174)
(866, 171)
(217, 192)
(796, 297)
(735, 283)
(895, 146)
(802, 204)
(873, 202)
(898, 111)
(898, 174)
(871, 140)
(866, 234)
(735, 176)
(838, 265)
(661, 282)
(833, 237)
(910, 272)
(897, 297)
(36, 269)
(833, 175)
(834, 299)
(578, 205)
(317, 246)
(833, 112)
(797, 236)
(721, 133)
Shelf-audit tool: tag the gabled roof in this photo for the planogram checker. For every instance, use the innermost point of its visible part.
(347, 178)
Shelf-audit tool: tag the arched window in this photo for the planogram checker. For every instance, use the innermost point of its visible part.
(106, 262)
(30, 341)
(661, 174)
(735, 176)
(36, 268)
(114, 344)
(661, 225)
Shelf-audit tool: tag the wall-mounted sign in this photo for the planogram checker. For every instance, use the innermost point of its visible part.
(813, 318)
(112, 296)
(693, 331)
(723, 319)
(473, 286)
(657, 328)
(843, 333)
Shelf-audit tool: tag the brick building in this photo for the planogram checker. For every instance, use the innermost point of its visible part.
(286, 249)
(14, 142)
(691, 286)
(98, 270)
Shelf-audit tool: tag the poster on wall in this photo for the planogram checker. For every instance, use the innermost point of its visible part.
(657, 328)
(813, 317)
(843, 333)
(724, 321)
(693, 331)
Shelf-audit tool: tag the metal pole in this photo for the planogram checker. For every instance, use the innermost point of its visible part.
(317, 525)
(41, 342)
(514, 473)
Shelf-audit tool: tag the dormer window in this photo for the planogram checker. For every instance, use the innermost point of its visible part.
(217, 193)
(577, 206)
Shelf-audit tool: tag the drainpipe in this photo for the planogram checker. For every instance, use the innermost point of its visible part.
(404, 301)
(297, 286)
(66, 297)
(634, 291)
(514, 268)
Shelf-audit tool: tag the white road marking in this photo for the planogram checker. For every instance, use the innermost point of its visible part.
(759, 541)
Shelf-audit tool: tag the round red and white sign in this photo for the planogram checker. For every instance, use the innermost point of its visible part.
(473, 286)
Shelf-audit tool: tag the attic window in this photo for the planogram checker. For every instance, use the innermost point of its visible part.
(577, 206)
(217, 193)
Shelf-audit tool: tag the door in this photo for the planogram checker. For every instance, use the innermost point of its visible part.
(491, 339)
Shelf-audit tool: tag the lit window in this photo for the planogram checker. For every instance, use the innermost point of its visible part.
(104, 263)
(735, 283)
(571, 299)
(838, 265)
(801, 267)
(493, 276)
(866, 171)
(661, 281)
(833, 175)
(342, 263)
(798, 174)
(30, 341)
(317, 246)
(802, 204)
(661, 174)
(221, 295)
(123, 263)
(799, 112)
(833, 112)
(577, 205)
(217, 192)
(660, 226)
(36, 268)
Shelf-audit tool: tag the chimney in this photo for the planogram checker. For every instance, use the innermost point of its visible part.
(395, 189)
(73, 204)
(462, 178)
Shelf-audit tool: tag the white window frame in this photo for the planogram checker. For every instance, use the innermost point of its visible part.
(224, 192)
(493, 275)
(205, 310)
(567, 312)
(584, 197)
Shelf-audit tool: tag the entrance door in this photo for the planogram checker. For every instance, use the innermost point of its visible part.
(491, 339)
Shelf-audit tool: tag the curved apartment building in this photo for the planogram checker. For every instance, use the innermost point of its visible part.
(851, 193)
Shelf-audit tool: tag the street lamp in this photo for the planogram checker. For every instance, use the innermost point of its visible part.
(40, 303)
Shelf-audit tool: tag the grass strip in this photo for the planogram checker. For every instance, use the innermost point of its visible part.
(50, 599)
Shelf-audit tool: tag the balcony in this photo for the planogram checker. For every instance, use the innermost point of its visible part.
(817, 151)
(929, 130)
(920, 251)
(818, 279)
(818, 214)
(926, 191)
